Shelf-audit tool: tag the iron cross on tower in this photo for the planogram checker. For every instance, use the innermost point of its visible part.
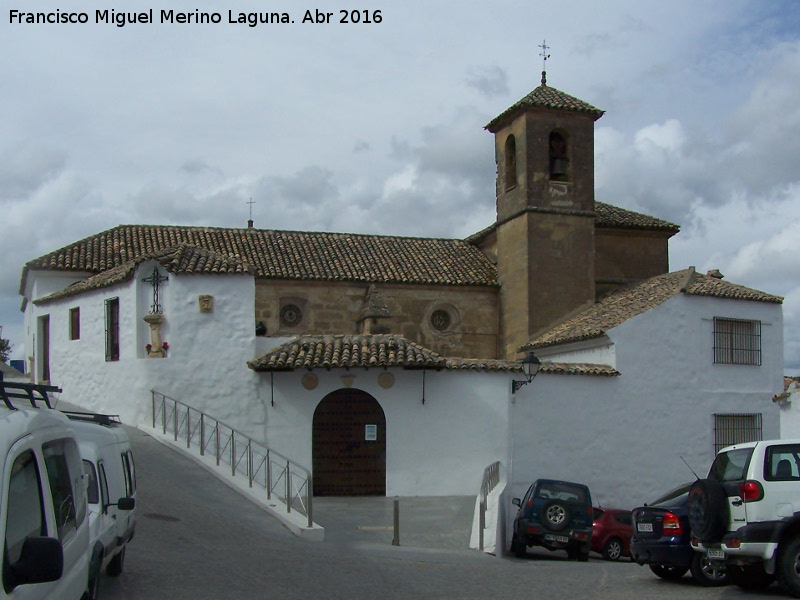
(544, 56)
(155, 280)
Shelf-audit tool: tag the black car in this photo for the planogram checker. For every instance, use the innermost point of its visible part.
(556, 515)
(661, 540)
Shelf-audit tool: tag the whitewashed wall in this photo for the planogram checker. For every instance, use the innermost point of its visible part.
(437, 448)
(790, 413)
(205, 365)
(624, 436)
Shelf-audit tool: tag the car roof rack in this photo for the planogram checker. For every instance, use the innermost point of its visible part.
(88, 417)
(26, 391)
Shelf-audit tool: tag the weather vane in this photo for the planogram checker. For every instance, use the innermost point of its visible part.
(544, 56)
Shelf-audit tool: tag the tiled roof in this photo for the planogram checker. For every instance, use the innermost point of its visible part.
(330, 351)
(282, 254)
(544, 96)
(184, 259)
(345, 351)
(628, 302)
(606, 216)
(578, 369)
(610, 216)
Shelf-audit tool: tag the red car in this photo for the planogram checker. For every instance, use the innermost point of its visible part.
(611, 533)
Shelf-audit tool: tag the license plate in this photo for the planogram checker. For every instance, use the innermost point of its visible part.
(557, 538)
(715, 553)
(644, 527)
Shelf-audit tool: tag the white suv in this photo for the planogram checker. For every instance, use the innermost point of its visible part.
(748, 512)
(43, 510)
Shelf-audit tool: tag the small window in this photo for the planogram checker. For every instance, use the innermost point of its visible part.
(731, 466)
(64, 472)
(130, 473)
(782, 463)
(112, 329)
(92, 489)
(559, 157)
(736, 429)
(291, 315)
(25, 508)
(737, 342)
(510, 163)
(75, 323)
(104, 496)
(440, 320)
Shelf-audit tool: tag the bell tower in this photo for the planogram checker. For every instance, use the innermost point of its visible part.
(544, 149)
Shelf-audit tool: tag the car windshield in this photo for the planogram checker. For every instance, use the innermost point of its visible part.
(561, 491)
(676, 497)
(731, 465)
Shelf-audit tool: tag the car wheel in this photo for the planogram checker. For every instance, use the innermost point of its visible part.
(750, 577)
(669, 572)
(789, 567)
(114, 568)
(613, 549)
(555, 515)
(708, 510)
(517, 547)
(707, 572)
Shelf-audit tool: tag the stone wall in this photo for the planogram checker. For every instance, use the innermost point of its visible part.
(336, 308)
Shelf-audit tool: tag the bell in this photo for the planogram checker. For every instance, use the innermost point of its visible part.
(559, 168)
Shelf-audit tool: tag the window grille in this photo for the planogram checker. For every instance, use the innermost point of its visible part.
(737, 342)
(112, 329)
(732, 429)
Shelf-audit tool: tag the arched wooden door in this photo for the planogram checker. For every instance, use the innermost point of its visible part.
(349, 445)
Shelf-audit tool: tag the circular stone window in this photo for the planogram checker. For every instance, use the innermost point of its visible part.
(291, 315)
(440, 320)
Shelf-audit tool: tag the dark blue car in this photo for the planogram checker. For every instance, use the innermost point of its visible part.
(661, 537)
(556, 515)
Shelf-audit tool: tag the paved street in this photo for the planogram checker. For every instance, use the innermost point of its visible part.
(196, 539)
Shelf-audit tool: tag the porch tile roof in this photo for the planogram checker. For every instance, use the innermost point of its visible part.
(630, 301)
(386, 350)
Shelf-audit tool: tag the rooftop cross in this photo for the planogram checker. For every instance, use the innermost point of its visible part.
(544, 56)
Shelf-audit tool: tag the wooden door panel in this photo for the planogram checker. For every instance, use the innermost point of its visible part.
(345, 463)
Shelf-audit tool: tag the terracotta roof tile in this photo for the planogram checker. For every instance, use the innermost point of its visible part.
(282, 254)
(544, 96)
(630, 301)
(183, 259)
(606, 216)
(610, 216)
(333, 351)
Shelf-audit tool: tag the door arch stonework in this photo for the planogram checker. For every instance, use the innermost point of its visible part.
(349, 445)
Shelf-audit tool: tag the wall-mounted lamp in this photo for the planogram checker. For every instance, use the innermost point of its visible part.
(530, 366)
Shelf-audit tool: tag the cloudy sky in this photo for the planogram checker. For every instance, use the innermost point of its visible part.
(378, 127)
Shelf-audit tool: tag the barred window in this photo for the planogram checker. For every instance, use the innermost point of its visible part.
(75, 323)
(737, 342)
(732, 429)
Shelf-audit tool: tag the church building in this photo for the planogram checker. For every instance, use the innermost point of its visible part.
(393, 365)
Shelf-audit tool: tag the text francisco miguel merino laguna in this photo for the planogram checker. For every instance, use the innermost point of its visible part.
(120, 18)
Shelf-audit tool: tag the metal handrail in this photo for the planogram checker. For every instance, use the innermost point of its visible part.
(491, 477)
(281, 477)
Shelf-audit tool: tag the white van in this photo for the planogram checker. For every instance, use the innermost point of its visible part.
(111, 489)
(43, 510)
